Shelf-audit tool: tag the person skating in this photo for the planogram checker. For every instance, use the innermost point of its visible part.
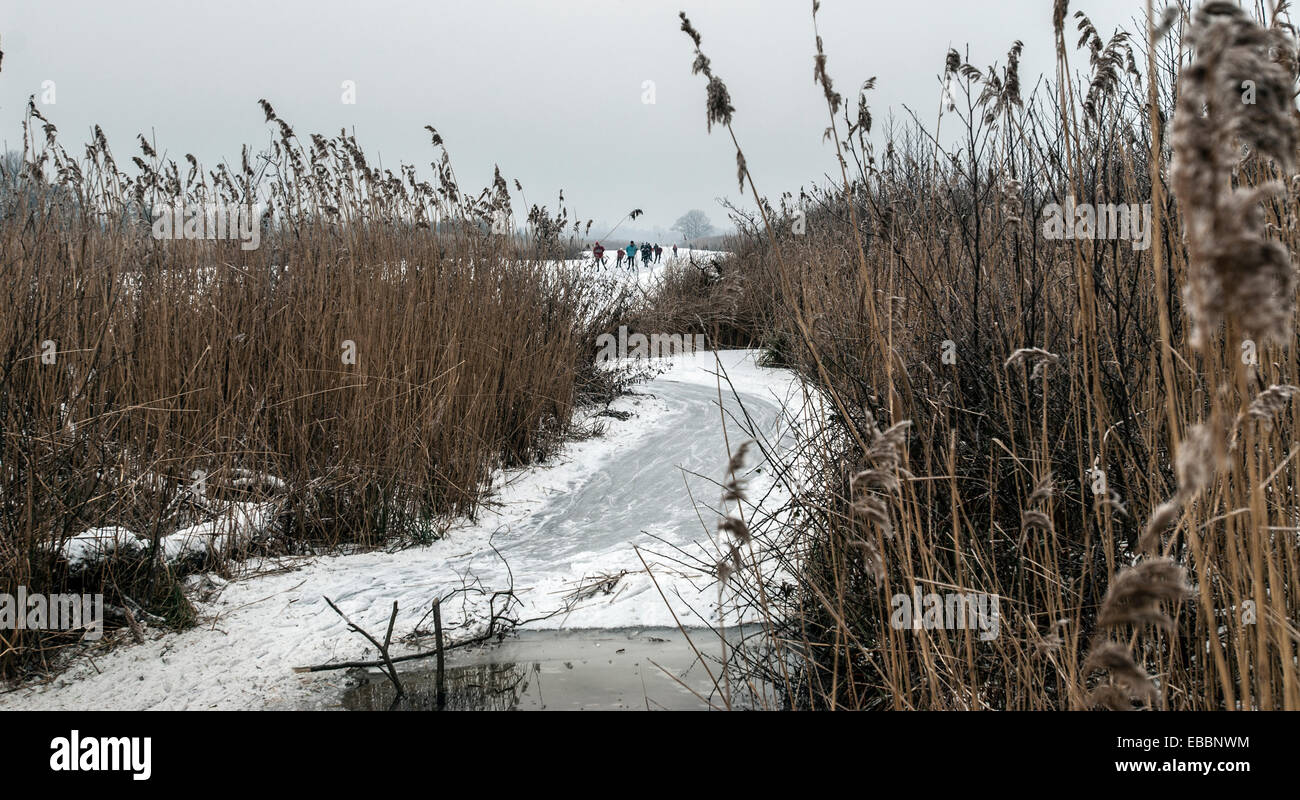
(647, 252)
(659, 251)
(674, 251)
(631, 256)
(599, 253)
(618, 262)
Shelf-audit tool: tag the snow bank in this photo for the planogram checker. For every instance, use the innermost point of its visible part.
(96, 544)
(235, 525)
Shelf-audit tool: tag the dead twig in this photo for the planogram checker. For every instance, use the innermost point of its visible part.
(390, 670)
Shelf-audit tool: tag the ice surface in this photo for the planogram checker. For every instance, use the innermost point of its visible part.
(552, 529)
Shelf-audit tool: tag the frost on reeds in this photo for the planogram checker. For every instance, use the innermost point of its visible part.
(1236, 92)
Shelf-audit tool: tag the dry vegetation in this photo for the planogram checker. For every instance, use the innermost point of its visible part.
(190, 381)
(1099, 454)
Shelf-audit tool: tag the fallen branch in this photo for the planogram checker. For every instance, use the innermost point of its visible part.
(492, 632)
(390, 670)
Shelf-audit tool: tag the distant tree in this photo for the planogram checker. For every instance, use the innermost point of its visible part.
(693, 224)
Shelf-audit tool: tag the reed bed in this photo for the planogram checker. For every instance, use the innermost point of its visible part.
(1101, 435)
(356, 378)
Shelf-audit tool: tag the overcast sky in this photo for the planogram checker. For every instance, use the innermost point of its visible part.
(553, 92)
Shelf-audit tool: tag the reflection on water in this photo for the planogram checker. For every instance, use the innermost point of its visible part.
(556, 670)
(476, 687)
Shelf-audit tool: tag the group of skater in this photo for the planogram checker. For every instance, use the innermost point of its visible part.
(650, 254)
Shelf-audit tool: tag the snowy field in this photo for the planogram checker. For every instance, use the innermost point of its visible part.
(553, 532)
(646, 276)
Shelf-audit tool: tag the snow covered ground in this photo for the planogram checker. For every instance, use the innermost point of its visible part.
(646, 276)
(553, 531)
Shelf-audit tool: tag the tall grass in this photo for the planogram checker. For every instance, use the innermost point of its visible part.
(186, 380)
(1126, 489)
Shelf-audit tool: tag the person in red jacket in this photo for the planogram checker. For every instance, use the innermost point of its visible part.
(599, 253)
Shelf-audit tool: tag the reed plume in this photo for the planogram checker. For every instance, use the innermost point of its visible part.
(1128, 681)
(1194, 468)
(1134, 597)
(1033, 518)
(1270, 403)
(1234, 91)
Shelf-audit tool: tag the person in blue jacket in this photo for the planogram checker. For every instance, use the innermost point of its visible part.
(631, 255)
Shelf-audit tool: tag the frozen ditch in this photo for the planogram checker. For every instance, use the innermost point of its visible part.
(562, 534)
